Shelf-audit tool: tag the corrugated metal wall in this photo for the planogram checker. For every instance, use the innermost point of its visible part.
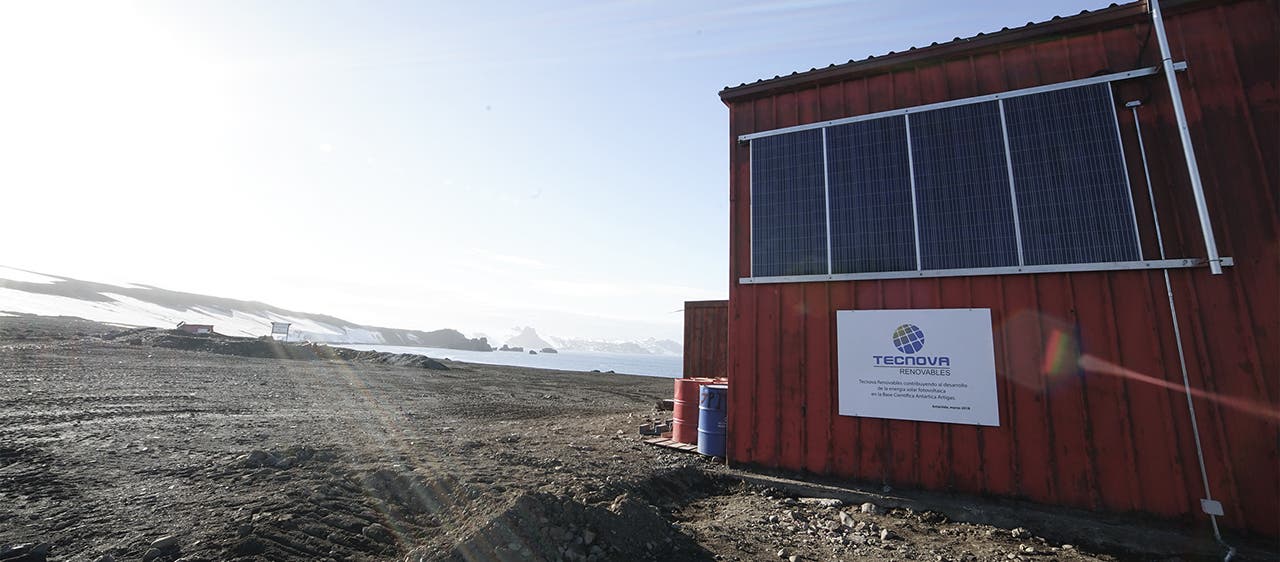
(1093, 437)
(706, 339)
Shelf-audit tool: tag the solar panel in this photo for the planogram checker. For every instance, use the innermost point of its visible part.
(788, 205)
(963, 199)
(1074, 203)
(869, 177)
(1033, 179)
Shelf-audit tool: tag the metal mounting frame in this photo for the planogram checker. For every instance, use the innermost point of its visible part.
(1184, 263)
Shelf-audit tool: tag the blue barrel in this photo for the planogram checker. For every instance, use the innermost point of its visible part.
(713, 403)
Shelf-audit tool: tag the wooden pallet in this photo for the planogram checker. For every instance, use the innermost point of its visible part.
(671, 444)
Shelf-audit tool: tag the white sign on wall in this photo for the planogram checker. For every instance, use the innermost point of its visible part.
(933, 365)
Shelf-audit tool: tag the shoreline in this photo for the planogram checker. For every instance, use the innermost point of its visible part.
(647, 365)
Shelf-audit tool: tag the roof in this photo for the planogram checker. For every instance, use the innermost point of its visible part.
(1058, 25)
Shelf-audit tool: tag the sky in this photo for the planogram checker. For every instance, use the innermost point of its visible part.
(471, 165)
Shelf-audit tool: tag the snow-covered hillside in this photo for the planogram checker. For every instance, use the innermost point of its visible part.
(649, 346)
(26, 292)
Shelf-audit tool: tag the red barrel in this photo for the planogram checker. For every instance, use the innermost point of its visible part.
(684, 422)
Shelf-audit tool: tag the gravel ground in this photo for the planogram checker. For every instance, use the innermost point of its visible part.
(115, 450)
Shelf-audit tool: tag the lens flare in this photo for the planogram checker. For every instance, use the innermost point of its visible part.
(1245, 405)
(1061, 353)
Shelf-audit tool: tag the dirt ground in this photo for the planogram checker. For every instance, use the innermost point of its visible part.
(113, 449)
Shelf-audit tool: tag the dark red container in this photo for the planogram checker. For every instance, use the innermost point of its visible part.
(706, 338)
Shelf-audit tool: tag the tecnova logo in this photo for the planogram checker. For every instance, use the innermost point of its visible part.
(909, 339)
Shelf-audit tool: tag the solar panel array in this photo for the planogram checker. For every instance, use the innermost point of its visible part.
(1036, 179)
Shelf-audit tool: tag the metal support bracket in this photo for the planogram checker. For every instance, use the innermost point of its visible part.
(1211, 507)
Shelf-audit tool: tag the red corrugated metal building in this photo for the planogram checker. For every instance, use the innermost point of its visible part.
(1098, 437)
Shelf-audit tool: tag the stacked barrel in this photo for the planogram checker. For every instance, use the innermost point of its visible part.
(692, 402)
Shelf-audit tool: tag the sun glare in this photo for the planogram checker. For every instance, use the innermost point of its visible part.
(100, 100)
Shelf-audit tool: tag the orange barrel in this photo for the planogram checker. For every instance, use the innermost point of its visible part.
(684, 420)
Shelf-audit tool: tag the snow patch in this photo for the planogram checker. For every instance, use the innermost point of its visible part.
(649, 346)
(124, 310)
(54, 305)
(26, 276)
(303, 325)
(110, 306)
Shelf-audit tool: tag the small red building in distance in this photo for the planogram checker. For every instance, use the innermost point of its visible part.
(979, 266)
(195, 328)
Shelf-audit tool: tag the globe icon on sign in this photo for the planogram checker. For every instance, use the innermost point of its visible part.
(908, 338)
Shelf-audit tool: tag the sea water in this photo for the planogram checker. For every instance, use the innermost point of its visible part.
(670, 366)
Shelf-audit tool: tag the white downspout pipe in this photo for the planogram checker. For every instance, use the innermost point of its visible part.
(1193, 170)
(1177, 333)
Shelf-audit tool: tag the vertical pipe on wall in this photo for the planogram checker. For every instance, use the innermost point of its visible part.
(1128, 187)
(1193, 170)
(1177, 332)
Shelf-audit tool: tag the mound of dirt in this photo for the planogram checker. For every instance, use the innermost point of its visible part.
(551, 524)
(267, 348)
(310, 505)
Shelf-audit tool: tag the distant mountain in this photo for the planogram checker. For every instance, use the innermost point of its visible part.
(650, 346)
(528, 339)
(664, 346)
(25, 292)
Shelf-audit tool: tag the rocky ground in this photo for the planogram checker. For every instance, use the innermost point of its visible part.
(112, 448)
